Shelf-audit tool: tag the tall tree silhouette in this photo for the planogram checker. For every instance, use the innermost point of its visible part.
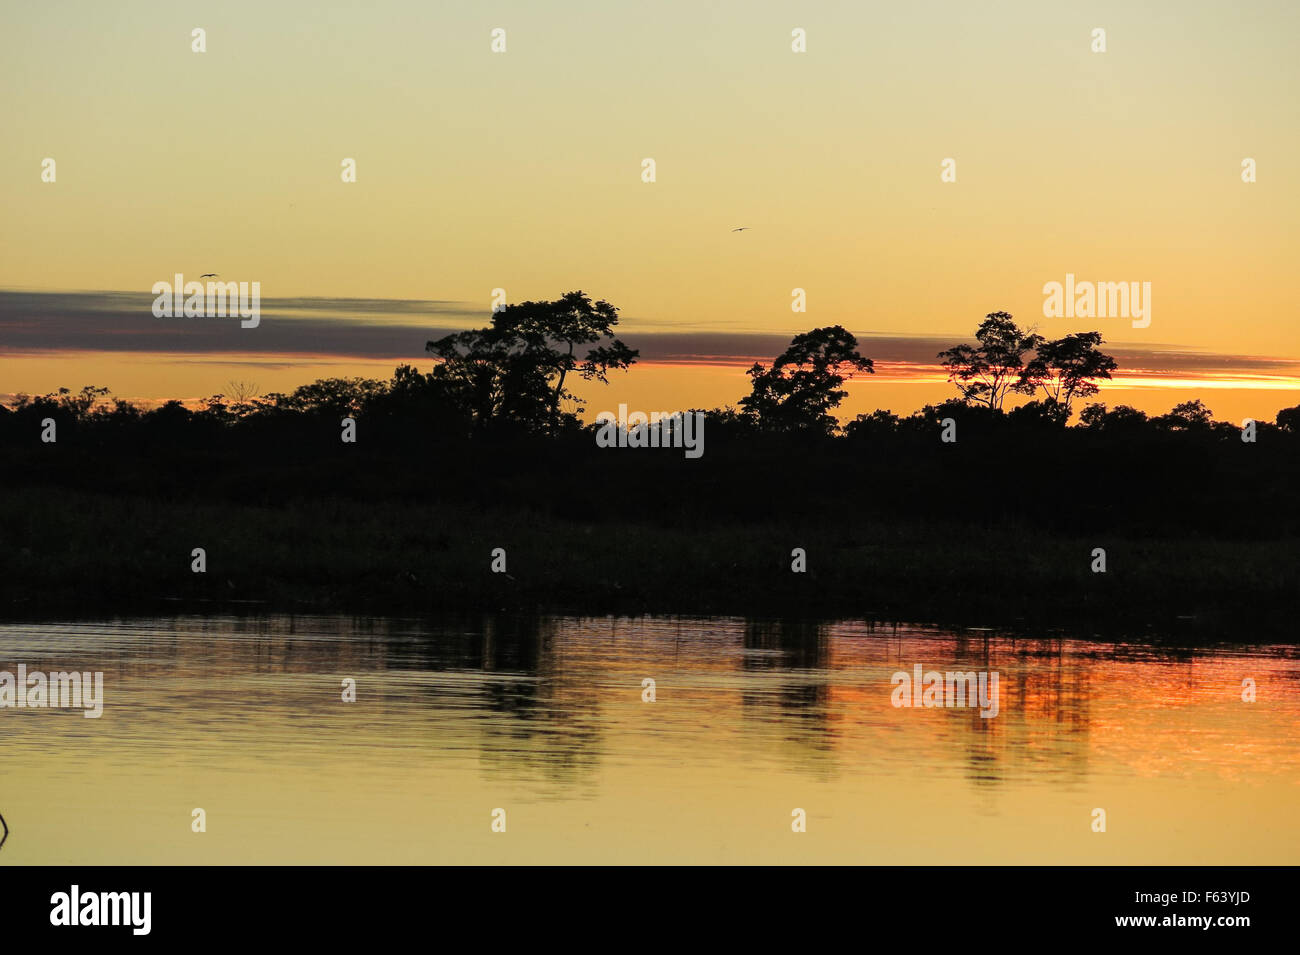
(1069, 368)
(803, 386)
(516, 369)
(987, 372)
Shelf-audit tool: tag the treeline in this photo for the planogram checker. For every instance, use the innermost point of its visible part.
(493, 427)
(511, 380)
(411, 407)
(487, 450)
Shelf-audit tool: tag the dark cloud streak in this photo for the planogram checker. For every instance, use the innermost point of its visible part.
(355, 329)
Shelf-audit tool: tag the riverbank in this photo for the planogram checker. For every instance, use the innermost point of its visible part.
(77, 553)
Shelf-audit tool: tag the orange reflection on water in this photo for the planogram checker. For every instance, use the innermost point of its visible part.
(751, 719)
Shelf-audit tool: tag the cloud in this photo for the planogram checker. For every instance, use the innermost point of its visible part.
(301, 329)
(57, 322)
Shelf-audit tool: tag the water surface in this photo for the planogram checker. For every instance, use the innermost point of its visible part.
(243, 717)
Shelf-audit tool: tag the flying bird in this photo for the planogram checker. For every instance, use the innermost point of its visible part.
(209, 275)
(743, 228)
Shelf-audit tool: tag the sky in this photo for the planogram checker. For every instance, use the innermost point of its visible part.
(522, 170)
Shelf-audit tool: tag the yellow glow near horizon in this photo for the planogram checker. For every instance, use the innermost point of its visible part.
(649, 386)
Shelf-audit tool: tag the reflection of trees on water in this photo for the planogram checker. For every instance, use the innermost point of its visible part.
(785, 644)
(800, 704)
(531, 719)
(536, 719)
(1044, 709)
(525, 692)
(516, 705)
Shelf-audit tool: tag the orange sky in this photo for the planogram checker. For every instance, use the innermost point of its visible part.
(522, 170)
(655, 385)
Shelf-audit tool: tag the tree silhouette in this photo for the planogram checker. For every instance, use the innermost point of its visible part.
(330, 396)
(1187, 416)
(76, 405)
(515, 370)
(1069, 368)
(803, 385)
(985, 373)
(1288, 419)
(1122, 418)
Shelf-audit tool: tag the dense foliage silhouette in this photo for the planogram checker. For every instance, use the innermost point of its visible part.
(482, 451)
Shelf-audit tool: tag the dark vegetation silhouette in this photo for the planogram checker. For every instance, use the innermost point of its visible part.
(798, 392)
(513, 372)
(488, 450)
